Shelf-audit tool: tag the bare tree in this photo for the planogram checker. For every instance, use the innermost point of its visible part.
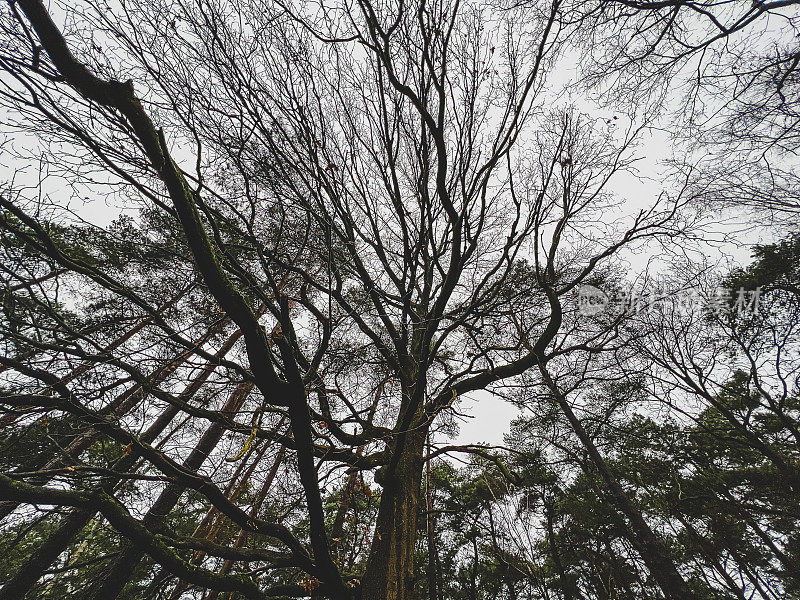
(391, 184)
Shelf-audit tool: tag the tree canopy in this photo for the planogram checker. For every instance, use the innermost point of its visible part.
(260, 259)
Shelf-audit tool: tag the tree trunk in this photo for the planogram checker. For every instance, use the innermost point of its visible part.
(84, 367)
(473, 580)
(60, 540)
(652, 550)
(126, 402)
(36, 564)
(337, 529)
(566, 588)
(123, 567)
(390, 565)
(709, 552)
(241, 539)
(211, 524)
(431, 534)
(33, 568)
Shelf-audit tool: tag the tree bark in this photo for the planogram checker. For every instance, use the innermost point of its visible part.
(431, 534)
(389, 569)
(211, 524)
(708, 551)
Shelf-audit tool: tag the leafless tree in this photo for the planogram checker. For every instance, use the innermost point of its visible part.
(394, 187)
